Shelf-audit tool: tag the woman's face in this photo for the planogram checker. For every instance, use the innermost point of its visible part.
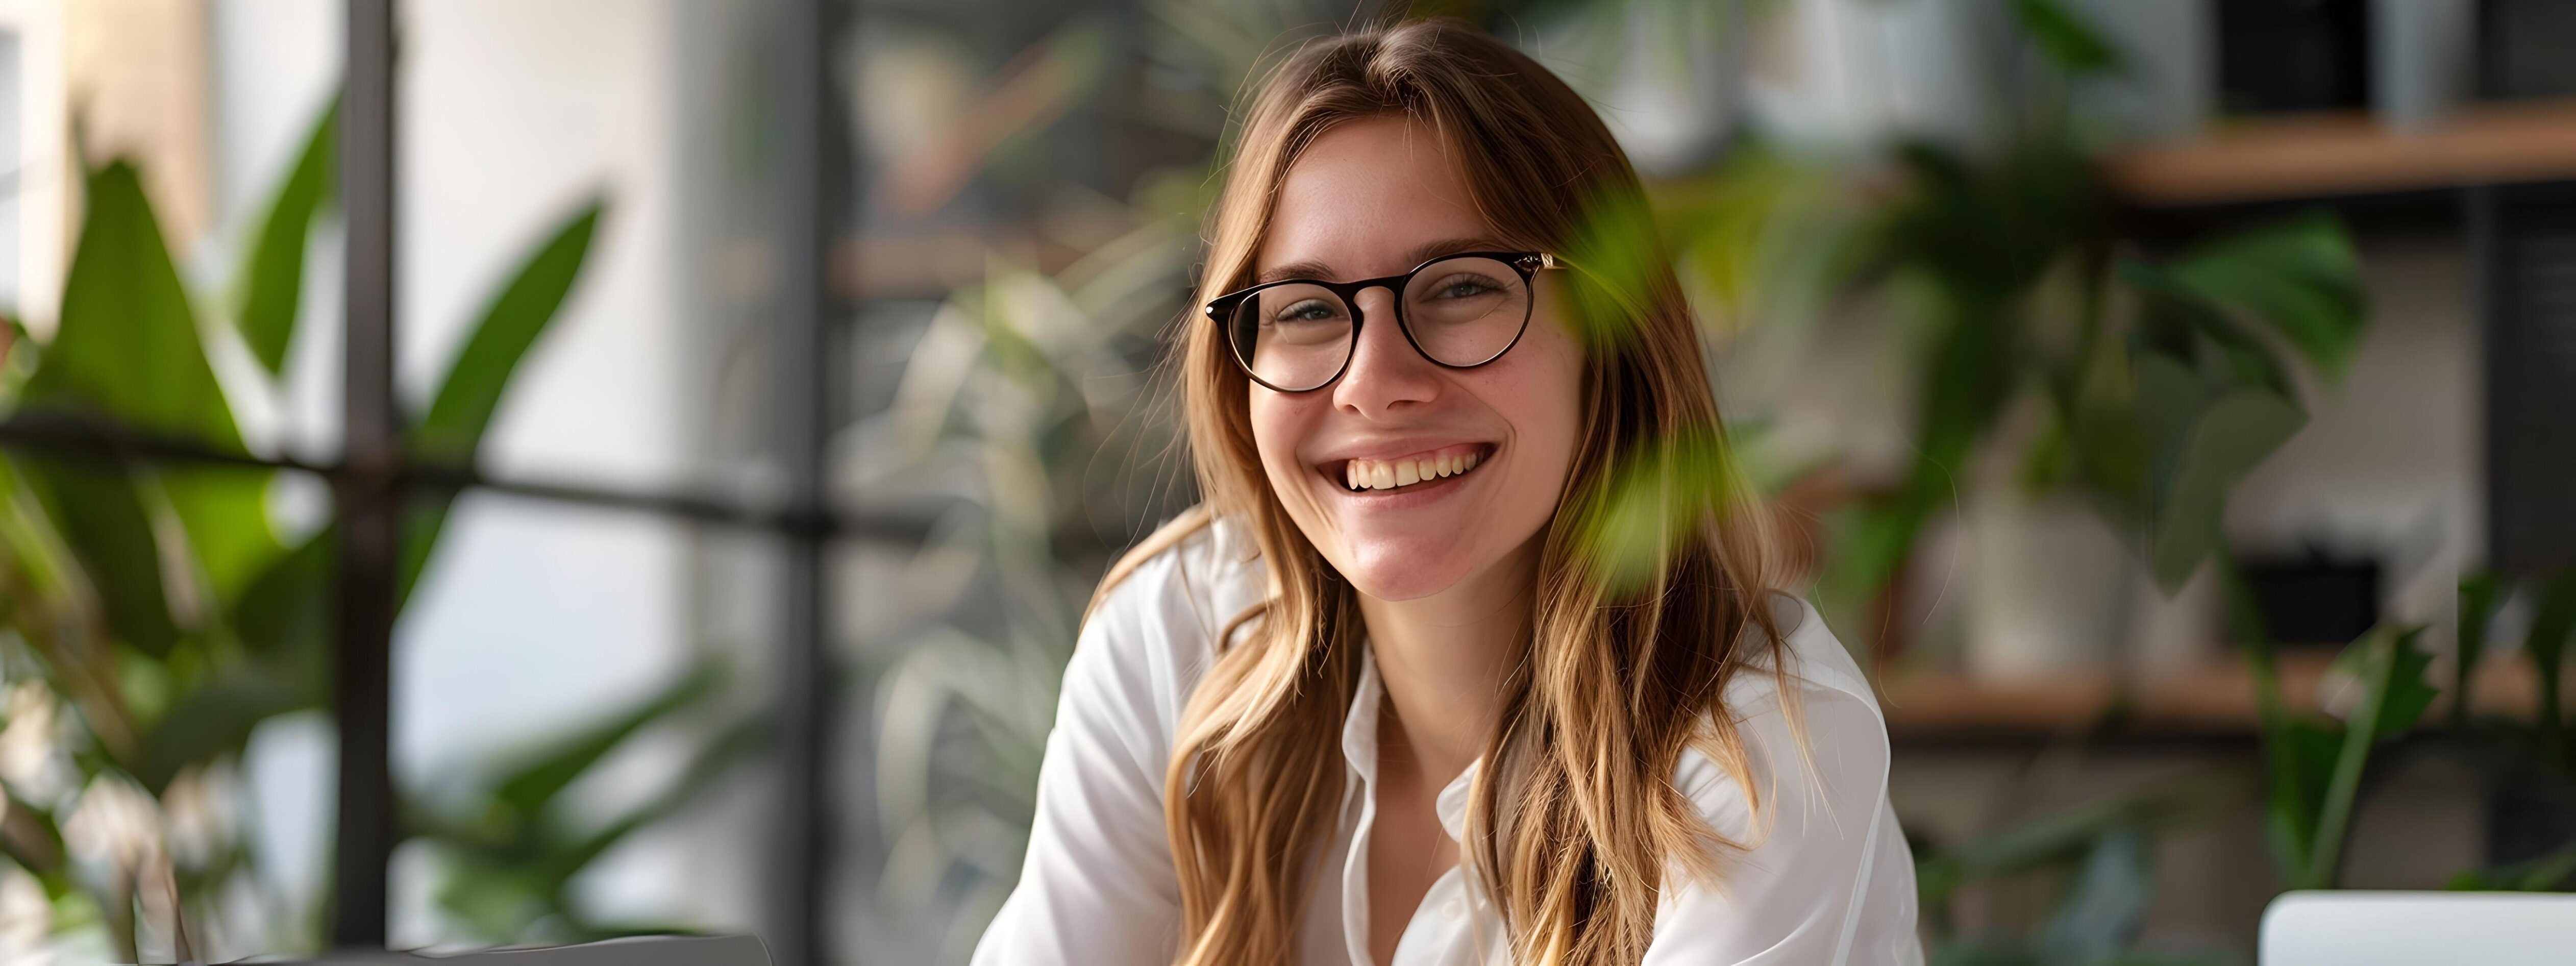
(1369, 199)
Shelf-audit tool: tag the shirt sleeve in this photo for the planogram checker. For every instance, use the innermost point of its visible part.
(1098, 884)
(1828, 879)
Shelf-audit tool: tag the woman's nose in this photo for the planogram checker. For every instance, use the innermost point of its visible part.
(1385, 372)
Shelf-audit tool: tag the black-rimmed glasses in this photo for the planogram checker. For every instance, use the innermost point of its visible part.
(1460, 311)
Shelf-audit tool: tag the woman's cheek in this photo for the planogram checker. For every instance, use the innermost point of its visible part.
(1278, 426)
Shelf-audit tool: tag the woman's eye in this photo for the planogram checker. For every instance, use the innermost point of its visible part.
(1464, 287)
(1311, 310)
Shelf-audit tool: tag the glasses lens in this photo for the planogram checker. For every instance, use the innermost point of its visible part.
(1465, 311)
(1294, 337)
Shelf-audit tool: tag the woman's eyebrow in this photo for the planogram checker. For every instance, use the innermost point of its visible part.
(1427, 251)
(1451, 246)
(1306, 270)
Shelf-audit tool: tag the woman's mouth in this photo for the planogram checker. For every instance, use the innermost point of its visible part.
(1408, 472)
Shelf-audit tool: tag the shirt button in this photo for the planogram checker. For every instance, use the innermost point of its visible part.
(1453, 909)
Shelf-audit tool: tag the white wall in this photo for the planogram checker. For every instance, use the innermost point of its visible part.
(40, 198)
(1842, 74)
(2390, 463)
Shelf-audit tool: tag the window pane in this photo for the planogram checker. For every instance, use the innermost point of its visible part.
(541, 627)
(517, 118)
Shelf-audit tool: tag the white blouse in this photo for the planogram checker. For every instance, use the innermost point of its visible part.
(1829, 881)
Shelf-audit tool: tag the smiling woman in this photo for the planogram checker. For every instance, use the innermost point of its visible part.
(1377, 700)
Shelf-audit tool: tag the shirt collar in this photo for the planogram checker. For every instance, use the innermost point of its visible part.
(1359, 725)
(1454, 799)
(1359, 751)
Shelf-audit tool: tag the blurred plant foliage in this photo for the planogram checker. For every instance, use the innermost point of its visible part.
(2036, 326)
(2161, 380)
(2157, 380)
(2315, 767)
(1009, 418)
(511, 849)
(1026, 424)
(155, 615)
(2533, 760)
(2097, 860)
(2146, 380)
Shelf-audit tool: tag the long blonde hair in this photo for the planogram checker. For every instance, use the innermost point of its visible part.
(1576, 822)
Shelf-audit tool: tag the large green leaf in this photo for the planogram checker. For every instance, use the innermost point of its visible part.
(2220, 443)
(2389, 671)
(518, 314)
(1614, 262)
(283, 616)
(127, 343)
(2073, 45)
(545, 774)
(2551, 625)
(102, 519)
(127, 347)
(2479, 595)
(2178, 321)
(505, 881)
(213, 720)
(1985, 235)
(2391, 667)
(1663, 490)
(452, 429)
(272, 279)
(224, 510)
(2300, 277)
(730, 746)
(2301, 760)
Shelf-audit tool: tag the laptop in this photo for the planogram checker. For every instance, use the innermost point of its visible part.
(653, 951)
(2357, 928)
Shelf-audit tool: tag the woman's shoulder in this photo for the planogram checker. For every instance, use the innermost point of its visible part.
(1152, 629)
(1813, 867)
(1817, 663)
(1825, 744)
(1190, 578)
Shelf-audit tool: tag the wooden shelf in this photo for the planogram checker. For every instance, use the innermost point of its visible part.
(2216, 701)
(2329, 155)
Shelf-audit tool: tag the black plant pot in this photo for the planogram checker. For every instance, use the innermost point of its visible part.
(2530, 814)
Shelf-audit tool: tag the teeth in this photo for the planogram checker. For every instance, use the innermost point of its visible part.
(1377, 475)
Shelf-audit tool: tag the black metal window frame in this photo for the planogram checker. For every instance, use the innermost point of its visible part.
(373, 474)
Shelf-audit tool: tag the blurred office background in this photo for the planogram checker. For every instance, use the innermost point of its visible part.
(605, 680)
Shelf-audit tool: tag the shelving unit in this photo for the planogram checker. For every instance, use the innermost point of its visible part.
(2330, 155)
(2503, 163)
(2213, 702)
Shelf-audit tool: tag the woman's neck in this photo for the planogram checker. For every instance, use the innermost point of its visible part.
(1443, 659)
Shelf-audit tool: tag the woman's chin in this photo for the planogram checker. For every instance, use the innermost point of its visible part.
(1403, 571)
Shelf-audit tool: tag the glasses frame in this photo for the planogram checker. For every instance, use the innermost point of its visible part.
(1528, 264)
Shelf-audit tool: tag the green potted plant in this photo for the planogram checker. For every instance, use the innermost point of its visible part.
(153, 614)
